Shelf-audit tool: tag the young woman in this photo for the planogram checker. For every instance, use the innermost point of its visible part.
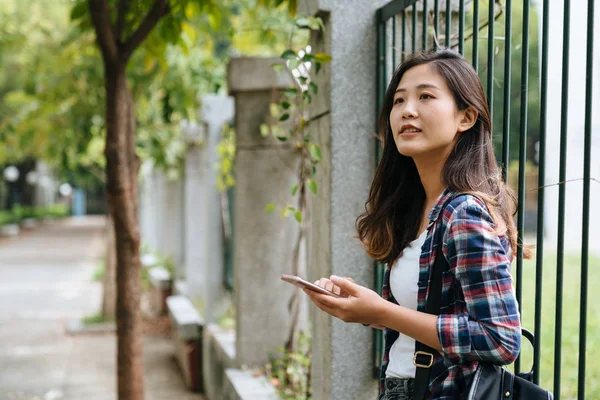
(438, 176)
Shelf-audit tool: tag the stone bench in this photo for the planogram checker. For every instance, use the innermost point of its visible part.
(161, 282)
(188, 328)
(219, 355)
(243, 385)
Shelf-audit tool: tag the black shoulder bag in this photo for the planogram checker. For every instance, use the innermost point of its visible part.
(490, 381)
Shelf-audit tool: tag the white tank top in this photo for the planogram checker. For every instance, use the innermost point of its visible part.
(404, 278)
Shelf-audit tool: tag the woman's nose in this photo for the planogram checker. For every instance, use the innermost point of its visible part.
(408, 111)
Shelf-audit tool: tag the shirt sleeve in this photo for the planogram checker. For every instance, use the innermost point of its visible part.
(487, 327)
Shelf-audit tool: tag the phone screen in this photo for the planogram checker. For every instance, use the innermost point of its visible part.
(296, 280)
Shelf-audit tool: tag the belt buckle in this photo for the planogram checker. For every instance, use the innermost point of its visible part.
(425, 354)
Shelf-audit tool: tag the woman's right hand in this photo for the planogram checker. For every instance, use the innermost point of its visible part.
(332, 287)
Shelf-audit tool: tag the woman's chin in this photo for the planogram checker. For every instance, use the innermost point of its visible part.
(409, 150)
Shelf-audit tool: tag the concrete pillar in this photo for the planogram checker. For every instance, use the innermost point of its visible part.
(170, 228)
(204, 227)
(263, 244)
(343, 122)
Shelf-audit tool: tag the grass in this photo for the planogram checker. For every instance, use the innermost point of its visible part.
(98, 274)
(95, 319)
(570, 324)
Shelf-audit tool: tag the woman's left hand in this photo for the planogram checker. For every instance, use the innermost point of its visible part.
(361, 305)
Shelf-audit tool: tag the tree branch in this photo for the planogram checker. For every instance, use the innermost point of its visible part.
(160, 8)
(123, 7)
(103, 27)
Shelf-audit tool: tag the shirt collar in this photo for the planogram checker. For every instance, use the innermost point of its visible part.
(446, 196)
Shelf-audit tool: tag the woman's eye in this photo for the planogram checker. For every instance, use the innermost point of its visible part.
(399, 100)
(425, 96)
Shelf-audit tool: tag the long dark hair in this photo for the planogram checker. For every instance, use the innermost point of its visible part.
(396, 201)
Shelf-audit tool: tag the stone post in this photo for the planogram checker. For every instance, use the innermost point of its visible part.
(343, 122)
(263, 244)
(204, 227)
(170, 228)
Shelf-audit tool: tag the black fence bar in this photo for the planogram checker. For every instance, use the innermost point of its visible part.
(561, 198)
(585, 232)
(414, 28)
(461, 27)
(424, 25)
(393, 8)
(490, 76)
(476, 35)
(394, 48)
(507, 80)
(436, 24)
(403, 35)
(448, 23)
(522, 159)
(539, 259)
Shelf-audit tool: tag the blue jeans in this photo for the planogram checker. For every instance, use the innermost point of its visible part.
(398, 389)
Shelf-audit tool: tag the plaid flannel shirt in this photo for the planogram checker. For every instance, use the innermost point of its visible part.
(479, 317)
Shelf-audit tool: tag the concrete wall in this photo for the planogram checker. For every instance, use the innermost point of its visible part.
(344, 121)
(203, 222)
(263, 244)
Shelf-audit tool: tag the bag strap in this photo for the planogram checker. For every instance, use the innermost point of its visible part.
(424, 355)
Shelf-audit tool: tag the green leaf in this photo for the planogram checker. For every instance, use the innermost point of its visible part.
(294, 190)
(282, 138)
(284, 117)
(317, 67)
(313, 170)
(79, 10)
(323, 57)
(274, 110)
(314, 88)
(293, 64)
(312, 185)
(270, 208)
(302, 22)
(291, 93)
(298, 215)
(289, 55)
(278, 67)
(264, 130)
(315, 152)
(285, 105)
(287, 210)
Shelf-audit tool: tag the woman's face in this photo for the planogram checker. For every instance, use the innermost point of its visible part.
(425, 120)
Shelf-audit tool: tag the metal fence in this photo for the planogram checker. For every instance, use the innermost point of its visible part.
(467, 26)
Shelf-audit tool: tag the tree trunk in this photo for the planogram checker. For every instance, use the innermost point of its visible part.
(122, 166)
(109, 292)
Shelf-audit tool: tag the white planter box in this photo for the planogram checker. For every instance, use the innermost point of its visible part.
(29, 223)
(9, 230)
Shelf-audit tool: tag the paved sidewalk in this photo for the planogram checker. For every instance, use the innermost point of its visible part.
(46, 282)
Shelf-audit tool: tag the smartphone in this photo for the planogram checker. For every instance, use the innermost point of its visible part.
(301, 283)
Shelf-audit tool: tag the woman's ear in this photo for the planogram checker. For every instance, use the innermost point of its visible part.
(469, 118)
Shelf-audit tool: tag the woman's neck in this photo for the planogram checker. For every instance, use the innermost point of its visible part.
(430, 173)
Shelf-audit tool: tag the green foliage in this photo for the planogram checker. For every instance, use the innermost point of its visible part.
(227, 321)
(98, 274)
(226, 153)
(287, 117)
(52, 80)
(95, 319)
(290, 372)
(19, 213)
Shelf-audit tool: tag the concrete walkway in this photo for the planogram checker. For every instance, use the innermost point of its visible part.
(46, 282)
